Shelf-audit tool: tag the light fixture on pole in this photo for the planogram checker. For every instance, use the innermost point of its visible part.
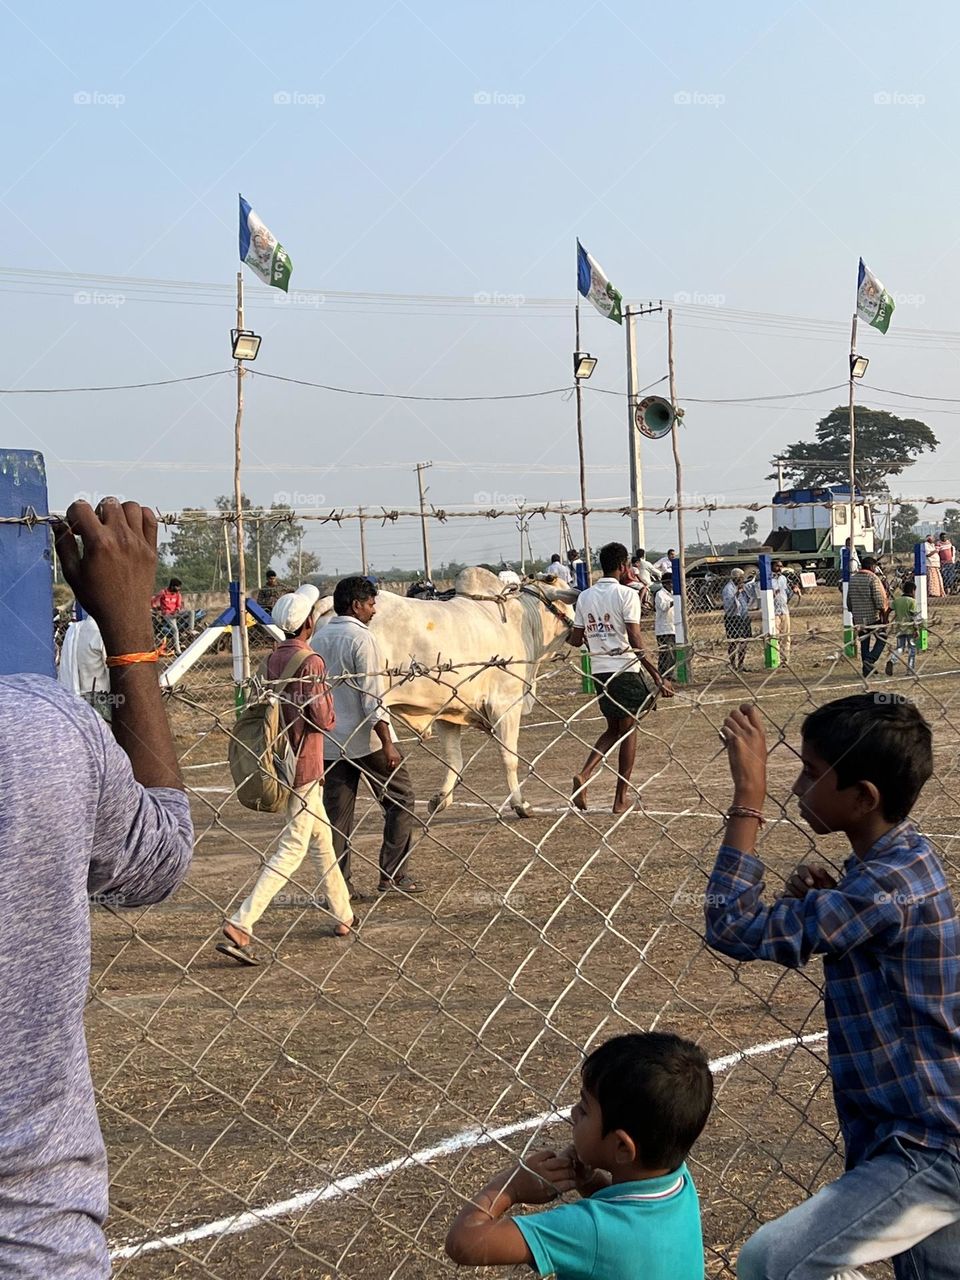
(583, 364)
(858, 365)
(245, 344)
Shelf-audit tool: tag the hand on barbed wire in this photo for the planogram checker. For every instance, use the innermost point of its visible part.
(808, 876)
(746, 744)
(541, 1177)
(114, 576)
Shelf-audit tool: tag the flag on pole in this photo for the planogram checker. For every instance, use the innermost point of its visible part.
(874, 304)
(261, 250)
(593, 284)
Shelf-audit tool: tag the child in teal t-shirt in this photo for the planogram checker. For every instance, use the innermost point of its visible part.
(905, 616)
(643, 1103)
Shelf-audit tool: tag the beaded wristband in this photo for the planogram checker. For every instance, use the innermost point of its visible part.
(741, 811)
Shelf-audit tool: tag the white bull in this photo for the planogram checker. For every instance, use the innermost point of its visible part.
(518, 628)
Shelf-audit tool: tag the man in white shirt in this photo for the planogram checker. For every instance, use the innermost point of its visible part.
(607, 618)
(557, 569)
(665, 563)
(83, 665)
(362, 743)
(645, 571)
(664, 627)
(783, 594)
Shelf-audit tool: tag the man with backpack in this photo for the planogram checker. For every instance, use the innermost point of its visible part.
(298, 677)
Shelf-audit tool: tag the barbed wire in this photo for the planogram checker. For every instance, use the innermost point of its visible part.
(383, 515)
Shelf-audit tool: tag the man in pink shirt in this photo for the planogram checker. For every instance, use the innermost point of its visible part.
(948, 562)
(306, 712)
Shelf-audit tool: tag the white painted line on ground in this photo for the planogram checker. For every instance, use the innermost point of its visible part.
(305, 1200)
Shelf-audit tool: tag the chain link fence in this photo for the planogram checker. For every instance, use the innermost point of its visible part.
(325, 1113)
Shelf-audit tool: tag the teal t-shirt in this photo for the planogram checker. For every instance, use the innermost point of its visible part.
(648, 1230)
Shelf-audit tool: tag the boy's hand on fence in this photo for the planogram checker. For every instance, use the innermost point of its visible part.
(666, 689)
(747, 753)
(541, 1177)
(808, 876)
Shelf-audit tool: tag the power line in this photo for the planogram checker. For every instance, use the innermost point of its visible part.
(126, 386)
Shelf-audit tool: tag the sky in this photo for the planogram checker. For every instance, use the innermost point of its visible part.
(429, 167)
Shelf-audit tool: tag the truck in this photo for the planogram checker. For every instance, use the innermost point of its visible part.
(807, 538)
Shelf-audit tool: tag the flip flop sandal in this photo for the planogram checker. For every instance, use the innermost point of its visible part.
(406, 884)
(242, 955)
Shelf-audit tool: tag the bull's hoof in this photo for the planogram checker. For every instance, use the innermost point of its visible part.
(521, 810)
(437, 803)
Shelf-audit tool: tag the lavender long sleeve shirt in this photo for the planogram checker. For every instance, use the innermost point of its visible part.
(73, 822)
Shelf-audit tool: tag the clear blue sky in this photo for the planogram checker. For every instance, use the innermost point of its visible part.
(744, 155)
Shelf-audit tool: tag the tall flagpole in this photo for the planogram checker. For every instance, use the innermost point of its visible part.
(853, 430)
(583, 468)
(238, 500)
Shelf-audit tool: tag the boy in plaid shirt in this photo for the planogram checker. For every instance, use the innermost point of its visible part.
(890, 941)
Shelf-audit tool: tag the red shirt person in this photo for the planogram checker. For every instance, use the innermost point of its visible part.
(169, 602)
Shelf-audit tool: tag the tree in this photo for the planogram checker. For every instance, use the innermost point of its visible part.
(749, 528)
(885, 446)
(196, 550)
(903, 522)
(951, 521)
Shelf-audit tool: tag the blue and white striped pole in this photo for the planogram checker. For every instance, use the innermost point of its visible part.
(920, 579)
(682, 670)
(849, 634)
(771, 645)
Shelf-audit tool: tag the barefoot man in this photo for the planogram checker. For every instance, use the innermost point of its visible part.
(608, 619)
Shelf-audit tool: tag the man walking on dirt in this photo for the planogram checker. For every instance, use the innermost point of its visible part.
(362, 743)
(870, 607)
(306, 712)
(608, 618)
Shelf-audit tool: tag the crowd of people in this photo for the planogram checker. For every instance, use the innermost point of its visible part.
(120, 827)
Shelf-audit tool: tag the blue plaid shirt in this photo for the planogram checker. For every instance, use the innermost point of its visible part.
(890, 942)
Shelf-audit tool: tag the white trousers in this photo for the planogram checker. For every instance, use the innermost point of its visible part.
(782, 621)
(307, 829)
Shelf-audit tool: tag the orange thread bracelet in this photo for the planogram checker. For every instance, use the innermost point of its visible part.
(129, 659)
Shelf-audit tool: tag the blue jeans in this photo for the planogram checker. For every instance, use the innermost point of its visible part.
(873, 641)
(170, 625)
(902, 1203)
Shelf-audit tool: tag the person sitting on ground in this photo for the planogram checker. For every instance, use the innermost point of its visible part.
(888, 933)
(905, 615)
(86, 813)
(607, 617)
(644, 1100)
(306, 715)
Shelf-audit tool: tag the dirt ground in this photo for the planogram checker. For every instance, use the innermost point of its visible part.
(450, 1016)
